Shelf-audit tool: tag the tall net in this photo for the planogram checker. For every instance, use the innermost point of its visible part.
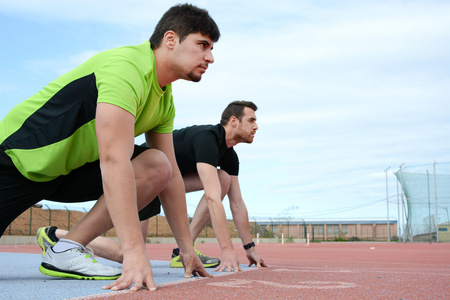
(427, 192)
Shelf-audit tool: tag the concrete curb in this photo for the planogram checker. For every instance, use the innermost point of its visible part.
(31, 240)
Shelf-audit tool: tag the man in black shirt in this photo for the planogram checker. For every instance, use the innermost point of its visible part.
(208, 162)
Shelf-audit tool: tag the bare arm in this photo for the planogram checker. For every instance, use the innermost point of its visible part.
(211, 184)
(240, 217)
(115, 135)
(173, 200)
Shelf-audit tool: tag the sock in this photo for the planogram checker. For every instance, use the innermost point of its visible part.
(52, 234)
(65, 244)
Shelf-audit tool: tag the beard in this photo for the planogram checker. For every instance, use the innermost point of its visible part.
(247, 139)
(194, 77)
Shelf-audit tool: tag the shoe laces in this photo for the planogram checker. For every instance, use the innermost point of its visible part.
(89, 253)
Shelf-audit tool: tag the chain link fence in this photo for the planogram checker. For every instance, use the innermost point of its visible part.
(425, 197)
(280, 229)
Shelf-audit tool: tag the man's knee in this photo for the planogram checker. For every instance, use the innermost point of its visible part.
(153, 164)
(225, 180)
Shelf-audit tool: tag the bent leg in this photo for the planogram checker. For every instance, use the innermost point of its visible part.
(201, 216)
(152, 172)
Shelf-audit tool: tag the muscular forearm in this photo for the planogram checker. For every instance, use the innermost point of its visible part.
(240, 217)
(219, 223)
(121, 200)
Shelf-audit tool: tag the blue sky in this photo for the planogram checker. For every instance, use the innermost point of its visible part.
(345, 89)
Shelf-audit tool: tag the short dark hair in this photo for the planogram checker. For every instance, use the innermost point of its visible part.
(185, 19)
(236, 108)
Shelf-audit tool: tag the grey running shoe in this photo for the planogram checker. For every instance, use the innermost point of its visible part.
(208, 262)
(76, 263)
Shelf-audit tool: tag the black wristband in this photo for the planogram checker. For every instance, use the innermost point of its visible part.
(248, 246)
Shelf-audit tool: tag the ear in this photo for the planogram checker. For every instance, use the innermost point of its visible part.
(170, 39)
(234, 121)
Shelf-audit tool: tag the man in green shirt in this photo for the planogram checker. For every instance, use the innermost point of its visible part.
(74, 141)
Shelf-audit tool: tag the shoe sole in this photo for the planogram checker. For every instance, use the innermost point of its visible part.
(54, 272)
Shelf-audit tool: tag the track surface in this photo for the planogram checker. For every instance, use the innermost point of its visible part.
(296, 271)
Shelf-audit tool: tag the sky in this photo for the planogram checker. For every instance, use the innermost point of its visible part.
(347, 91)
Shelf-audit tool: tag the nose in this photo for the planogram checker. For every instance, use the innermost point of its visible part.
(209, 58)
(256, 126)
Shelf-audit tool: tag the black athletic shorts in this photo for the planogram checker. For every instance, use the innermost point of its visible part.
(17, 193)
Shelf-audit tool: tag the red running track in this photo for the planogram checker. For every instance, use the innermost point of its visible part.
(317, 271)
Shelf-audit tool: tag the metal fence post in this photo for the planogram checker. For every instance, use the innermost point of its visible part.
(31, 214)
(49, 215)
(429, 207)
(399, 229)
(436, 221)
(387, 205)
(271, 221)
(405, 229)
(288, 228)
(68, 219)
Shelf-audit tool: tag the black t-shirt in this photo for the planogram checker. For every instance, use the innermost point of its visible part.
(206, 144)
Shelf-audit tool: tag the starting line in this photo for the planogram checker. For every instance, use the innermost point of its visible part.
(318, 285)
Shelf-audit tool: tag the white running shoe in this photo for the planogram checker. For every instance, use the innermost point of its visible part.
(76, 263)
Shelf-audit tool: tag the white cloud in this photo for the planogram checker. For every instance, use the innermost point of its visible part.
(124, 13)
(58, 66)
(345, 89)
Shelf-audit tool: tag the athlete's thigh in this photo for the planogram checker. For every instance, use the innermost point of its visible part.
(17, 193)
(84, 183)
(192, 182)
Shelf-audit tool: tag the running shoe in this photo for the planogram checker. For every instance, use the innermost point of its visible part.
(78, 263)
(46, 237)
(208, 262)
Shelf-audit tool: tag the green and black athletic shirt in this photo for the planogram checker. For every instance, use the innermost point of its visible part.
(53, 132)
